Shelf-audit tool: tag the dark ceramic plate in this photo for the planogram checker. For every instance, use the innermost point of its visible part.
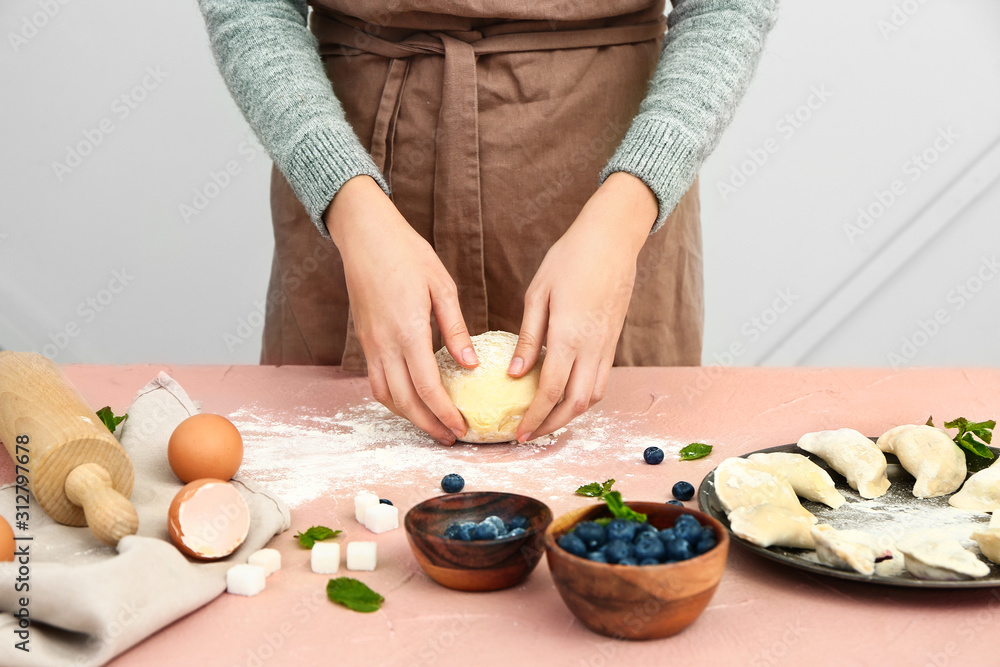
(898, 506)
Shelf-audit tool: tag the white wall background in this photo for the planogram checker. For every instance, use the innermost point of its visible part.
(100, 264)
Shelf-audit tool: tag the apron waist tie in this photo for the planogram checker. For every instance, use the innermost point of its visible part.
(458, 224)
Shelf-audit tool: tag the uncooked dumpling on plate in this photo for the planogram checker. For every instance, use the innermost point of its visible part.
(852, 455)
(742, 483)
(930, 455)
(989, 539)
(981, 492)
(940, 558)
(846, 549)
(807, 479)
(772, 526)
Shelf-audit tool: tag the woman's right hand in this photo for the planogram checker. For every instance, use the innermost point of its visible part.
(395, 282)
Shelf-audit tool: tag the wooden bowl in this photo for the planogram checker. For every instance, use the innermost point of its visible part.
(636, 601)
(479, 565)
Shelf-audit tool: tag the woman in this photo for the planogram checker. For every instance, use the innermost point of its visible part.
(541, 161)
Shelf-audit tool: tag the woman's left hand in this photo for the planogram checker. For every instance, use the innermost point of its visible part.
(577, 301)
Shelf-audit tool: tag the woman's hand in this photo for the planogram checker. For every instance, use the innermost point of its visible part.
(395, 282)
(577, 301)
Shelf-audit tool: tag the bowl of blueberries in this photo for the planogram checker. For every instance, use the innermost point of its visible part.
(637, 580)
(478, 541)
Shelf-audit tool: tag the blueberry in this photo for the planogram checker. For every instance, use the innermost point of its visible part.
(705, 543)
(667, 534)
(683, 491)
(498, 524)
(622, 529)
(519, 522)
(517, 532)
(592, 534)
(653, 455)
(385, 501)
(628, 561)
(485, 531)
(597, 557)
(616, 550)
(464, 531)
(573, 545)
(452, 483)
(686, 532)
(649, 561)
(649, 546)
(642, 529)
(687, 519)
(677, 549)
(452, 532)
(675, 502)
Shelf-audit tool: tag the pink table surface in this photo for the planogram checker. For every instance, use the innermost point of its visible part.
(762, 614)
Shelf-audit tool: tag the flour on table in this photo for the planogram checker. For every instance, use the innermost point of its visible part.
(306, 455)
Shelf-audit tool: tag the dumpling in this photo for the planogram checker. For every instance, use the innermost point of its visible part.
(771, 525)
(852, 455)
(807, 479)
(846, 549)
(941, 559)
(981, 492)
(742, 483)
(930, 455)
(989, 539)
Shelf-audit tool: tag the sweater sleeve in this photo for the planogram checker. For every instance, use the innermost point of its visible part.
(270, 62)
(709, 56)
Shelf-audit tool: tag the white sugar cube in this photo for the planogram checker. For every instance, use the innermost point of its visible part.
(361, 556)
(245, 580)
(362, 502)
(326, 557)
(269, 559)
(380, 518)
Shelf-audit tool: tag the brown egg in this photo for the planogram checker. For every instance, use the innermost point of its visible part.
(205, 445)
(6, 541)
(208, 519)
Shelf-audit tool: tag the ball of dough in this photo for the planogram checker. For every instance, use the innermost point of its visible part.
(491, 401)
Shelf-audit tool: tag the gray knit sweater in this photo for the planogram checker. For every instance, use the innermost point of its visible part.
(270, 62)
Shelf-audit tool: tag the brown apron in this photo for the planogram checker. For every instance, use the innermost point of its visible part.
(491, 132)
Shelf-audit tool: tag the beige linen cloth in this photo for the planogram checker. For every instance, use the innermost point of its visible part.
(89, 601)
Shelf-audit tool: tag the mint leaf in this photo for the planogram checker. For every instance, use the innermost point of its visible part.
(696, 450)
(969, 443)
(316, 534)
(969, 431)
(108, 417)
(595, 489)
(620, 510)
(930, 421)
(353, 594)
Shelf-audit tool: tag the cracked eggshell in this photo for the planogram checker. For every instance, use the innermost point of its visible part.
(208, 519)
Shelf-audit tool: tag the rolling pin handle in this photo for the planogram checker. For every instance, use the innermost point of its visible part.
(109, 514)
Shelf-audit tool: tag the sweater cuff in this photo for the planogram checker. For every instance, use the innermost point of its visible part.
(321, 163)
(659, 155)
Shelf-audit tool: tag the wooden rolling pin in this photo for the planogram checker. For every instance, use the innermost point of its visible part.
(77, 470)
